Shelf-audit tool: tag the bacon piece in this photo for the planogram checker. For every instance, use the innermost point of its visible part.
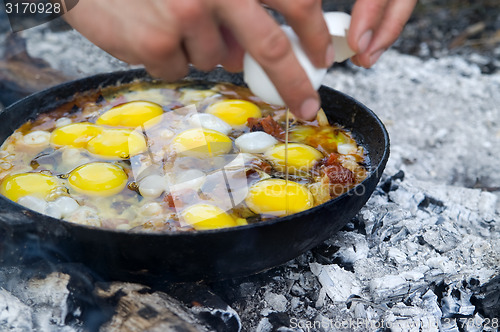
(338, 174)
(327, 161)
(267, 125)
(180, 198)
(332, 159)
(169, 200)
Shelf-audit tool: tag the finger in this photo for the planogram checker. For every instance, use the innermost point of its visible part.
(233, 59)
(397, 14)
(306, 19)
(162, 55)
(366, 18)
(171, 69)
(202, 39)
(270, 47)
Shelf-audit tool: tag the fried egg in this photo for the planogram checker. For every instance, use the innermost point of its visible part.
(277, 198)
(76, 134)
(207, 216)
(98, 179)
(117, 143)
(201, 143)
(33, 184)
(301, 157)
(255, 142)
(234, 111)
(132, 114)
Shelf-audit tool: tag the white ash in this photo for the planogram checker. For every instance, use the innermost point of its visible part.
(34, 303)
(14, 315)
(338, 283)
(441, 114)
(70, 53)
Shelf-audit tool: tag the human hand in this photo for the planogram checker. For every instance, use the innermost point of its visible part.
(168, 35)
(375, 25)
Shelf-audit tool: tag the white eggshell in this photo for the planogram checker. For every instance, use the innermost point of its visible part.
(53, 210)
(338, 25)
(63, 122)
(64, 206)
(152, 186)
(37, 137)
(346, 148)
(151, 209)
(209, 121)
(260, 84)
(33, 203)
(255, 142)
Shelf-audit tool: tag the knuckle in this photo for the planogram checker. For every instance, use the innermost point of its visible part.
(169, 73)
(374, 6)
(274, 47)
(156, 46)
(188, 11)
(301, 8)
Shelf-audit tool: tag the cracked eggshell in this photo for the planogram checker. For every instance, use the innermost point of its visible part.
(338, 25)
(260, 84)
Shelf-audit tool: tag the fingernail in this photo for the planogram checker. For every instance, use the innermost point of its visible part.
(330, 55)
(309, 109)
(364, 41)
(374, 57)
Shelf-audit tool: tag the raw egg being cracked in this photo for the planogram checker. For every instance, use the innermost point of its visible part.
(175, 157)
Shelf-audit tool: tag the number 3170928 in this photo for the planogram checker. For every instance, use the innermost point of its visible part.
(32, 8)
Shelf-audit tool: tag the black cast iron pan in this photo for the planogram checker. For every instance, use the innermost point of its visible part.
(199, 255)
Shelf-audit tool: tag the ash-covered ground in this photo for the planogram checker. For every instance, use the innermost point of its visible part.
(423, 254)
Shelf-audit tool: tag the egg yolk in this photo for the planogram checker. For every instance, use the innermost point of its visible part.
(117, 143)
(326, 137)
(132, 114)
(301, 157)
(206, 216)
(235, 111)
(274, 197)
(76, 134)
(201, 143)
(33, 184)
(98, 179)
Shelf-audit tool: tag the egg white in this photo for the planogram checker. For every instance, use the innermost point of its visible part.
(209, 121)
(255, 142)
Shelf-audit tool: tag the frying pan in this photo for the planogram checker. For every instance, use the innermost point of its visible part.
(186, 256)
